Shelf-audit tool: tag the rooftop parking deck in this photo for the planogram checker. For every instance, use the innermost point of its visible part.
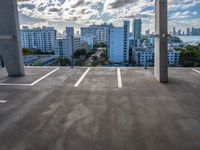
(100, 109)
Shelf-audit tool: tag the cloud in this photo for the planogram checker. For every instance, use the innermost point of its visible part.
(119, 3)
(85, 12)
(54, 9)
(183, 14)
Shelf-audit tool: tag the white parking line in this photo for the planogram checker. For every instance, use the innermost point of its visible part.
(48, 74)
(14, 84)
(119, 78)
(3, 101)
(32, 84)
(81, 78)
(40, 67)
(196, 71)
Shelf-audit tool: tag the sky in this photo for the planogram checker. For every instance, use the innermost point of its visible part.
(78, 13)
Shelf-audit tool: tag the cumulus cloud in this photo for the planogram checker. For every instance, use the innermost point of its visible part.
(118, 3)
(85, 12)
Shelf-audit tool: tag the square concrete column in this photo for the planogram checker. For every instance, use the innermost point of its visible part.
(10, 45)
(161, 42)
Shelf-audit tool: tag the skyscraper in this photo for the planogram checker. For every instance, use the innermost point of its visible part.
(69, 31)
(179, 32)
(116, 45)
(62, 49)
(174, 30)
(77, 43)
(65, 47)
(126, 40)
(70, 40)
(193, 31)
(119, 44)
(188, 31)
(137, 29)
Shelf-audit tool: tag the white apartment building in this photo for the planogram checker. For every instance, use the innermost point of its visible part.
(141, 55)
(101, 32)
(74, 41)
(174, 57)
(62, 48)
(66, 47)
(70, 39)
(116, 46)
(39, 38)
(90, 39)
(77, 43)
(119, 44)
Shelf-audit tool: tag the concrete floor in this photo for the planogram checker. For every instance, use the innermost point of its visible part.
(97, 115)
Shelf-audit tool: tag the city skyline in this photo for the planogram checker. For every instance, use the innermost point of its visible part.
(189, 31)
(77, 13)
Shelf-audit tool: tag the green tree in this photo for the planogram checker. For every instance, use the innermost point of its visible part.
(63, 61)
(36, 64)
(80, 52)
(190, 56)
(27, 51)
(97, 45)
(94, 58)
(95, 63)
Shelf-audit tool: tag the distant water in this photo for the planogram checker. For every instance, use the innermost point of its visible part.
(190, 39)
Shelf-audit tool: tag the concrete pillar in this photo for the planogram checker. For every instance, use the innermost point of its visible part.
(10, 45)
(161, 46)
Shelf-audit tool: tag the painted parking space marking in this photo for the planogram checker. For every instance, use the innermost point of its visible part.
(32, 84)
(14, 84)
(119, 78)
(45, 76)
(82, 77)
(196, 71)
